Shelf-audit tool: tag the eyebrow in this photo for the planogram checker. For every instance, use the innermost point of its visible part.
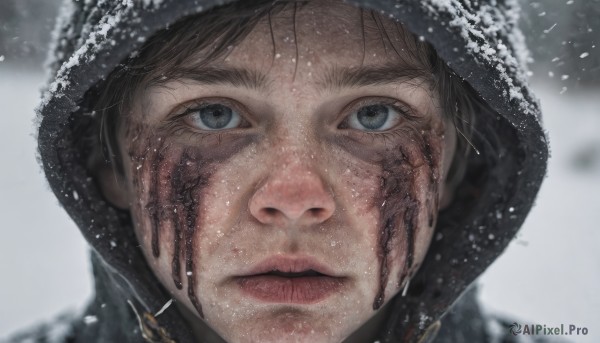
(237, 77)
(354, 77)
(333, 78)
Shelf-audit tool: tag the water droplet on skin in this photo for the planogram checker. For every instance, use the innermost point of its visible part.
(189, 273)
(277, 55)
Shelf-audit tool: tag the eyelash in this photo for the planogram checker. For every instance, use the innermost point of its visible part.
(407, 115)
(175, 125)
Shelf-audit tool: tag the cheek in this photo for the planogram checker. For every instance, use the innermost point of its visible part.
(410, 183)
(168, 182)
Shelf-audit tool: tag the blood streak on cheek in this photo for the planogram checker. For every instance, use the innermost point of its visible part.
(155, 206)
(177, 177)
(187, 182)
(401, 204)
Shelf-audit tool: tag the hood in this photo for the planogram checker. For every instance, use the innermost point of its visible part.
(480, 42)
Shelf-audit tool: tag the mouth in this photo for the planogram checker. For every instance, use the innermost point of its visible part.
(290, 280)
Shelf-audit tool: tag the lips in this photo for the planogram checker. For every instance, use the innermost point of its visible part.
(290, 280)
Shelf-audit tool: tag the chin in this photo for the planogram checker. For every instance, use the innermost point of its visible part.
(287, 325)
(295, 334)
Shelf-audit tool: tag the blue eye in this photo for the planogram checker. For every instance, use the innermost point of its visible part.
(213, 117)
(377, 117)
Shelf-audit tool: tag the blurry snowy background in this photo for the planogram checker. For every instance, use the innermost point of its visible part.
(550, 274)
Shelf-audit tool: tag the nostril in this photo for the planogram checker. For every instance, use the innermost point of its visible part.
(270, 211)
(269, 215)
(316, 212)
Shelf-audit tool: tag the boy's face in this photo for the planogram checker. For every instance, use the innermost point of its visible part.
(288, 194)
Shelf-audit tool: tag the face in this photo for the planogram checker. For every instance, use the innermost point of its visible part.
(286, 193)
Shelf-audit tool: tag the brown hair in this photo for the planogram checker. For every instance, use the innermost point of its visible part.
(215, 31)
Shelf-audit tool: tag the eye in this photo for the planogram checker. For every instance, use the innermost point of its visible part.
(376, 117)
(213, 117)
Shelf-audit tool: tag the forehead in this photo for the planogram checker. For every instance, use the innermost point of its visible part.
(324, 34)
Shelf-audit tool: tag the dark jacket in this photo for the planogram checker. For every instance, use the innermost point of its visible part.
(478, 40)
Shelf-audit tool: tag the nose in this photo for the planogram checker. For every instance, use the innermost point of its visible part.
(292, 196)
